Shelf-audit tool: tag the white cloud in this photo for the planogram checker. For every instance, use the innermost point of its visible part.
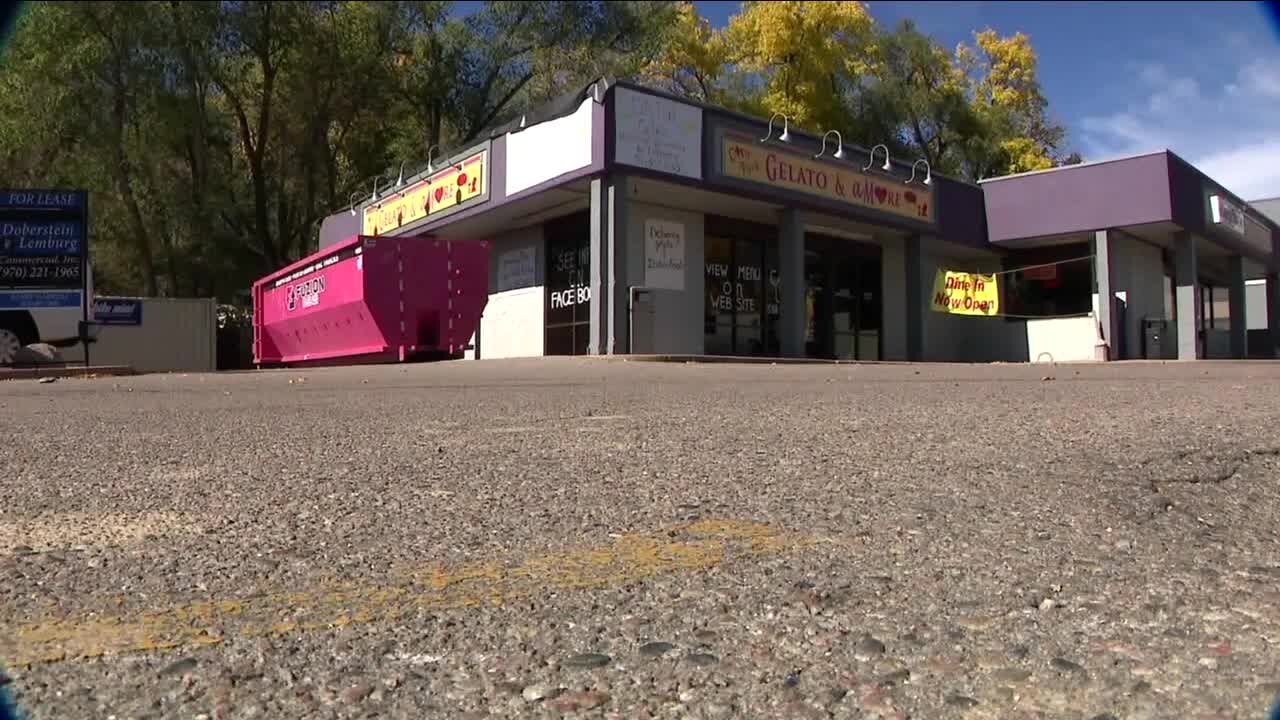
(1225, 119)
(1251, 171)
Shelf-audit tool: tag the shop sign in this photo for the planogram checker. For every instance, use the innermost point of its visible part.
(664, 255)
(1226, 215)
(517, 268)
(747, 158)
(570, 296)
(117, 312)
(657, 134)
(459, 184)
(961, 293)
(41, 253)
(734, 288)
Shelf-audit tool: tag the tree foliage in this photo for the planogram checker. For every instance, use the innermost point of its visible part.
(976, 112)
(215, 135)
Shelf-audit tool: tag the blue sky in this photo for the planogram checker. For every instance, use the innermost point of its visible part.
(1199, 78)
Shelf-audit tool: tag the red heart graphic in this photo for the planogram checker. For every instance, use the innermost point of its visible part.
(880, 194)
(462, 179)
(439, 193)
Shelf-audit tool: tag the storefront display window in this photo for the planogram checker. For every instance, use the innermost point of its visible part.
(568, 300)
(1043, 285)
(743, 293)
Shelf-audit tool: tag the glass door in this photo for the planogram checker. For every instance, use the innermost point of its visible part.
(869, 312)
(843, 299)
(568, 291)
(817, 335)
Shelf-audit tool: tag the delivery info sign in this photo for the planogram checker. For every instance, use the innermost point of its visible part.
(43, 242)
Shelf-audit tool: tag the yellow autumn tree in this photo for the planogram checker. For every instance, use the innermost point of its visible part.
(805, 57)
(975, 113)
(1016, 134)
(692, 60)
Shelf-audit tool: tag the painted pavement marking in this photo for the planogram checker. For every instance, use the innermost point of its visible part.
(694, 546)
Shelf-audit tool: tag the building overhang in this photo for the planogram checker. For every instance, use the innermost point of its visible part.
(1148, 196)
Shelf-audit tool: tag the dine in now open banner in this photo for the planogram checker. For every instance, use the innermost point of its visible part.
(961, 293)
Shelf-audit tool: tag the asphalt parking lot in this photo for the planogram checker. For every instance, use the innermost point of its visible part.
(620, 539)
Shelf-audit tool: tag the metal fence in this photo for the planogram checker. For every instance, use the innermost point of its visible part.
(159, 335)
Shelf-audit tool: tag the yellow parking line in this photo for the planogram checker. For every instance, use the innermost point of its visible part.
(691, 547)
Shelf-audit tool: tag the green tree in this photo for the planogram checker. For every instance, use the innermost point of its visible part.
(214, 135)
(922, 95)
(1017, 134)
(974, 113)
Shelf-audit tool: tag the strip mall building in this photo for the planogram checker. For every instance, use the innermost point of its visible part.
(626, 221)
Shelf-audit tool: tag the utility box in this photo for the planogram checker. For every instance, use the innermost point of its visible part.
(641, 308)
(1156, 343)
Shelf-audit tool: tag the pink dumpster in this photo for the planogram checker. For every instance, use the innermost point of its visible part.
(372, 299)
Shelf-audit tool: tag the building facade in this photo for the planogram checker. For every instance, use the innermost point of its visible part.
(626, 221)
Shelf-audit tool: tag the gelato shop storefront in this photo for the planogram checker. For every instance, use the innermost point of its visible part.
(625, 221)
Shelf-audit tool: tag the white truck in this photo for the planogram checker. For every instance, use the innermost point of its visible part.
(56, 325)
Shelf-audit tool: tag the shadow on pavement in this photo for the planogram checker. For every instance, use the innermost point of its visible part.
(8, 706)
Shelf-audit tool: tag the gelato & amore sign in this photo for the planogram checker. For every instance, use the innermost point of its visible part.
(748, 159)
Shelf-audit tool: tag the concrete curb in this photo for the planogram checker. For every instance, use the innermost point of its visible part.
(710, 359)
(33, 373)
(749, 360)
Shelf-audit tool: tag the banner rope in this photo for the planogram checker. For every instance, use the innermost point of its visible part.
(1033, 267)
(1014, 316)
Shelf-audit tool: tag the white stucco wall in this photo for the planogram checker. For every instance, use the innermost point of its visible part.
(1071, 339)
(678, 318)
(966, 338)
(513, 321)
(893, 286)
(1255, 303)
(1138, 278)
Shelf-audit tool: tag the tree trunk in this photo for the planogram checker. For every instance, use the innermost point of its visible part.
(256, 151)
(124, 181)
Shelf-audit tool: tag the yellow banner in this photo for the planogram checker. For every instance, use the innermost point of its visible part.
(455, 185)
(962, 293)
(749, 159)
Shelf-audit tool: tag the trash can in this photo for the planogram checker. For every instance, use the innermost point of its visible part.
(1154, 338)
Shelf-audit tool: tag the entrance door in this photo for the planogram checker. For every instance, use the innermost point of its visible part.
(843, 300)
(568, 303)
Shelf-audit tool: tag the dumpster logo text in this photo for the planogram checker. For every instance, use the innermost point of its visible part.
(308, 293)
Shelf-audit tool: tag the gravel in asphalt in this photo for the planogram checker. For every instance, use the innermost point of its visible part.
(618, 539)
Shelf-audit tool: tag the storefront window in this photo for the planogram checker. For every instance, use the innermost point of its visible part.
(772, 300)
(743, 297)
(568, 301)
(719, 321)
(749, 297)
(1054, 282)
